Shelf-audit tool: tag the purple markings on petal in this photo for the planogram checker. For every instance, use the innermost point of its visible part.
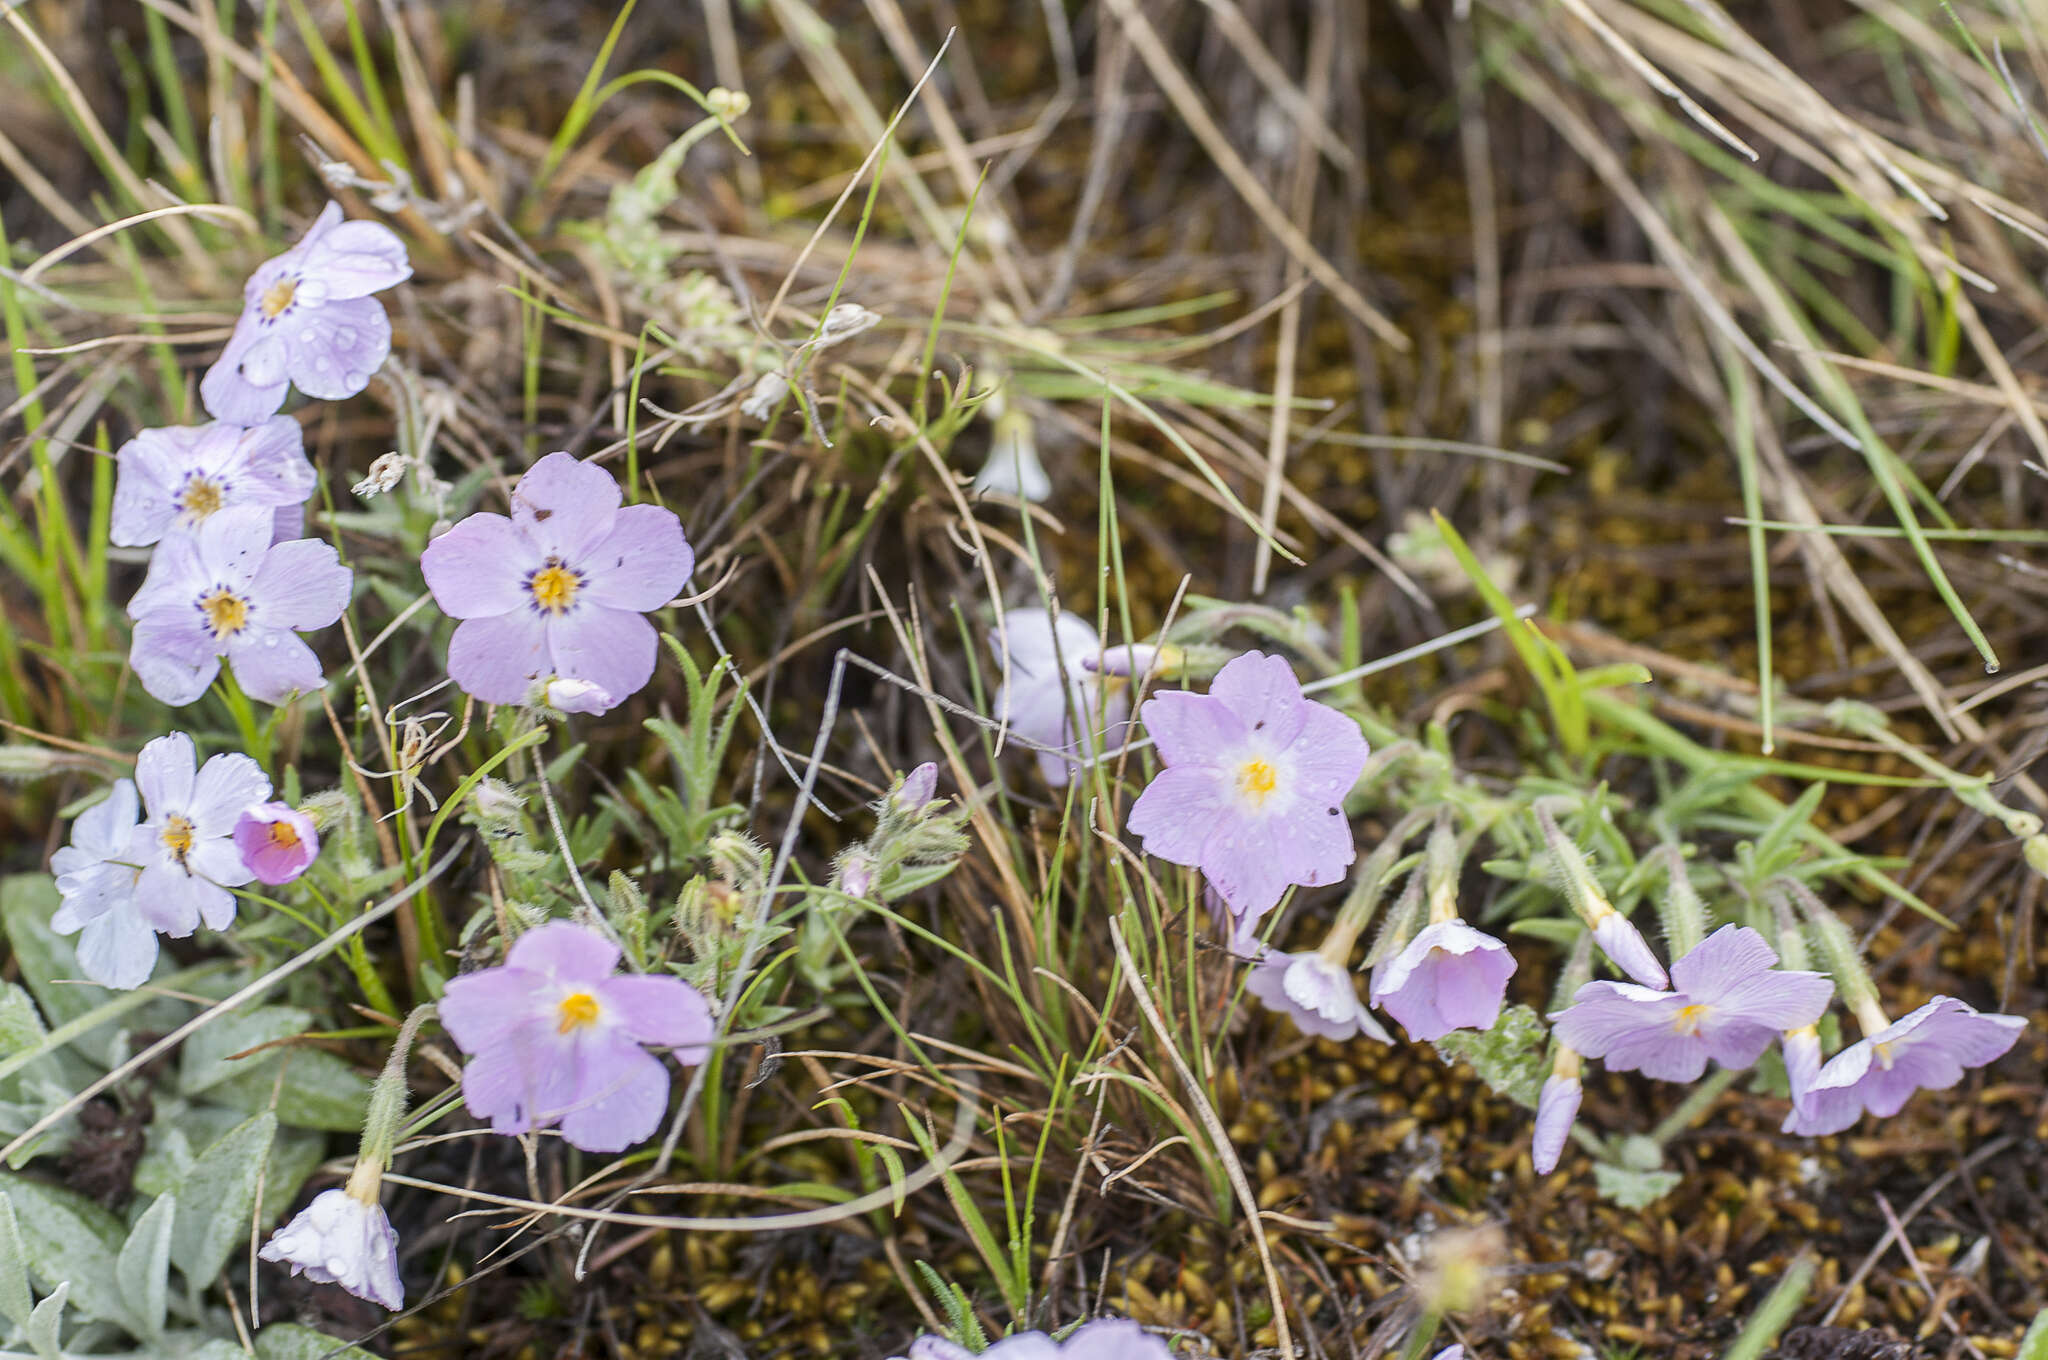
(555, 1037)
(1319, 996)
(172, 480)
(1734, 1003)
(307, 319)
(1927, 1050)
(338, 1239)
(554, 595)
(276, 841)
(226, 591)
(1556, 1107)
(1254, 786)
(1450, 976)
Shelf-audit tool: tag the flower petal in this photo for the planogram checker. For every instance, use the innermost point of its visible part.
(498, 659)
(565, 505)
(1178, 811)
(165, 771)
(272, 664)
(564, 952)
(1192, 729)
(230, 393)
(611, 648)
(642, 564)
(1327, 756)
(225, 785)
(621, 1095)
(355, 259)
(1264, 693)
(664, 1011)
(1729, 956)
(119, 949)
(478, 568)
(301, 585)
(331, 351)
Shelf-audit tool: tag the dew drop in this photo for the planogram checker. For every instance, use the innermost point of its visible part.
(344, 336)
(357, 378)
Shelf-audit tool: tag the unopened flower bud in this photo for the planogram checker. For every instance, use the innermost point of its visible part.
(857, 873)
(1013, 468)
(1556, 1108)
(565, 694)
(1622, 942)
(1802, 1059)
(845, 321)
(728, 104)
(917, 788)
(769, 390)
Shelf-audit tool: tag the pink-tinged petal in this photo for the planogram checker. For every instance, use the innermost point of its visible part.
(1824, 1110)
(165, 771)
(1320, 997)
(225, 785)
(1025, 1346)
(1666, 1054)
(481, 1009)
(301, 585)
(1192, 729)
(610, 648)
(173, 657)
(1556, 1108)
(1970, 1037)
(174, 580)
(664, 1011)
(478, 569)
(565, 505)
(564, 952)
(642, 564)
(1263, 692)
(1327, 756)
(1729, 956)
(526, 1078)
(1448, 977)
(229, 393)
(358, 258)
(118, 950)
(276, 842)
(1176, 814)
(331, 351)
(273, 664)
(621, 1096)
(498, 659)
(1310, 846)
(1251, 880)
(1736, 1044)
(1625, 945)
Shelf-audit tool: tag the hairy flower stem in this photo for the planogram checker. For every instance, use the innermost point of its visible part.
(1695, 1105)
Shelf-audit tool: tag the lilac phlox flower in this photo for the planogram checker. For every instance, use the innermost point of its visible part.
(96, 882)
(555, 1035)
(184, 852)
(277, 842)
(341, 1239)
(1254, 785)
(1316, 993)
(1452, 1352)
(1557, 1105)
(558, 590)
(1103, 1339)
(226, 591)
(308, 318)
(1731, 1002)
(1047, 688)
(1928, 1049)
(1450, 976)
(174, 479)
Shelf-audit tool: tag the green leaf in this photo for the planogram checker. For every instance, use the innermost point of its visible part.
(70, 1239)
(43, 1324)
(219, 1191)
(290, 1341)
(1509, 1058)
(317, 1089)
(15, 1300)
(143, 1268)
(1633, 1189)
(2034, 1345)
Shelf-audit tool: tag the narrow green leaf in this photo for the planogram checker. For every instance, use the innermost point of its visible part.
(143, 1269)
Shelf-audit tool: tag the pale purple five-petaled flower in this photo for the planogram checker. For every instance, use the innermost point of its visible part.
(1103, 1339)
(341, 1239)
(1450, 976)
(96, 878)
(1730, 1001)
(225, 591)
(1254, 786)
(555, 1036)
(277, 842)
(178, 865)
(1928, 1049)
(308, 319)
(1317, 993)
(1049, 686)
(558, 590)
(174, 479)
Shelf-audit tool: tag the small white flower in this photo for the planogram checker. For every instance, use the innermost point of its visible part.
(1317, 994)
(96, 877)
(769, 390)
(1013, 468)
(341, 1239)
(844, 322)
(567, 694)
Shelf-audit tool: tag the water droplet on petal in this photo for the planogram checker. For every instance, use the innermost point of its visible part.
(357, 378)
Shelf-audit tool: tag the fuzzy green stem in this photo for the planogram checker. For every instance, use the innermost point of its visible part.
(1694, 1107)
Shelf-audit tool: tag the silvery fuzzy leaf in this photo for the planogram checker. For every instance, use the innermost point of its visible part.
(15, 1300)
(69, 1239)
(143, 1269)
(219, 1191)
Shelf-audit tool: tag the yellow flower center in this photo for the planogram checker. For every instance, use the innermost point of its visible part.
(177, 837)
(284, 835)
(1884, 1055)
(578, 1009)
(226, 612)
(201, 498)
(1688, 1019)
(277, 297)
(554, 586)
(1255, 780)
